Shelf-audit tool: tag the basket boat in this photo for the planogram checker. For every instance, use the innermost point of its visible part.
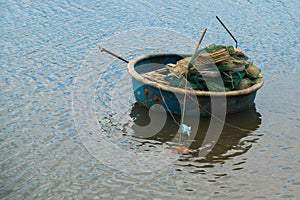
(149, 92)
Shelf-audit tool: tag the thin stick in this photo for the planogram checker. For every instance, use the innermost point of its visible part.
(113, 54)
(200, 40)
(228, 31)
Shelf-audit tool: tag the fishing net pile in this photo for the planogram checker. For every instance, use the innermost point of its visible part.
(214, 68)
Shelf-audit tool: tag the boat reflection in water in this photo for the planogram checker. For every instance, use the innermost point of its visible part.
(236, 138)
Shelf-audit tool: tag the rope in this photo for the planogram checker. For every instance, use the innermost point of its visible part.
(183, 110)
(163, 98)
(241, 129)
(184, 100)
(228, 124)
(231, 79)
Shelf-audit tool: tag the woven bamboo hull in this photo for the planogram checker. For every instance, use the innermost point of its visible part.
(149, 92)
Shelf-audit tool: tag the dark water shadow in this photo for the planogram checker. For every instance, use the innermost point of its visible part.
(237, 137)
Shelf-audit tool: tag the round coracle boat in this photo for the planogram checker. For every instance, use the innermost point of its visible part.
(150, 87)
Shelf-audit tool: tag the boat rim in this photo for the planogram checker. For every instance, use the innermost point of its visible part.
(131, 70)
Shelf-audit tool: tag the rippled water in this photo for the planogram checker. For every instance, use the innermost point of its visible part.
(57, 88)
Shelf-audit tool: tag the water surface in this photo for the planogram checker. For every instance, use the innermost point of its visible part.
(57, 87)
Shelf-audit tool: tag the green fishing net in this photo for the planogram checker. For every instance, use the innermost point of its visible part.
(206, 66)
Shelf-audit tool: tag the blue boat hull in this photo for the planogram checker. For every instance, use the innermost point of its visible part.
(149, 94)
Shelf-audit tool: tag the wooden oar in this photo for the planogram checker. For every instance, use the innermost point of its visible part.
(113, 54)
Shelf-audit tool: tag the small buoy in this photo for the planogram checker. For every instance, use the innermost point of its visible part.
(183, 150)
(185, 130)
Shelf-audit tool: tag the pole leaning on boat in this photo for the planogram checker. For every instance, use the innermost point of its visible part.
(113, 54)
